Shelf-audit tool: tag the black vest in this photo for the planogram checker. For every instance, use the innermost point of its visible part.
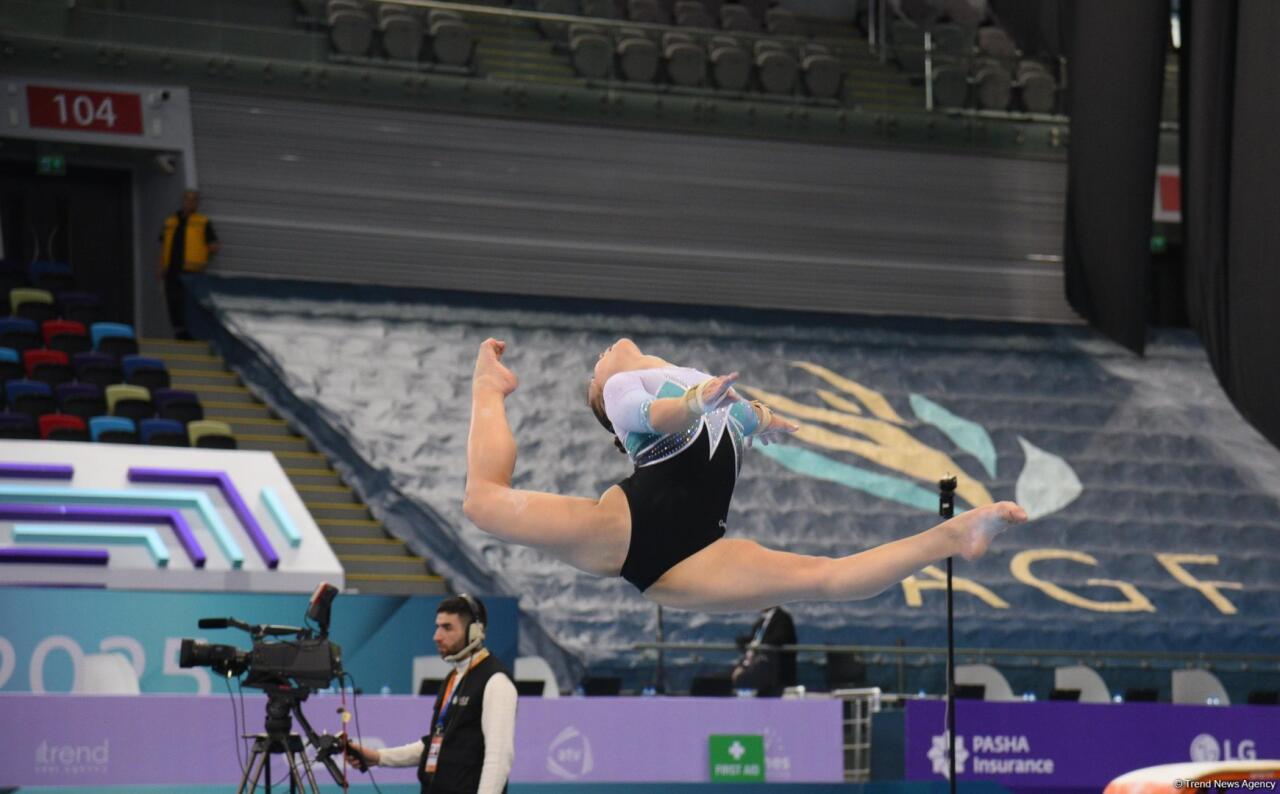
(462, 751)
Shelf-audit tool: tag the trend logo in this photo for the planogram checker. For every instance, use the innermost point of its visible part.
(858, 421)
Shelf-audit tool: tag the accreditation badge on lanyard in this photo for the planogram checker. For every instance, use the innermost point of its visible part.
(437, 734)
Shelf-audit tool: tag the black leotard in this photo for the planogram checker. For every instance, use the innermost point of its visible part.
(678, 507)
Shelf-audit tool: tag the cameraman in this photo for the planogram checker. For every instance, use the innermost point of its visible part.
(472, 740)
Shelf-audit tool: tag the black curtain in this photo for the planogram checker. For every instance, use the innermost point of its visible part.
(1230, 118)
(1116, 66)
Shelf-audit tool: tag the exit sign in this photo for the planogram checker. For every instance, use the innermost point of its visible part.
(736, 758)
(81, 110)
(52, 165)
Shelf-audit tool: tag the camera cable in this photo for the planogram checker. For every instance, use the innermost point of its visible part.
(355, 707)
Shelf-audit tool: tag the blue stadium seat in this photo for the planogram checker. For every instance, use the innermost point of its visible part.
(114, 339)
(113, 430)
(145, 371)
(30, 397)
(163, 433)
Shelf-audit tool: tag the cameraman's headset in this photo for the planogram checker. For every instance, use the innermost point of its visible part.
(475, 629)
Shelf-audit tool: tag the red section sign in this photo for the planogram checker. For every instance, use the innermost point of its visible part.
(80, 110)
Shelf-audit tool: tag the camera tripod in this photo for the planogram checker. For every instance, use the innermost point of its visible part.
(282, 706)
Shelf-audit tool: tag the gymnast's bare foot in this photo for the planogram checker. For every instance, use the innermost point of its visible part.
(490, 374)
(975, 529)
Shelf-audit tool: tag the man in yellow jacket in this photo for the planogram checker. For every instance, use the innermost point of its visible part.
(186, 244)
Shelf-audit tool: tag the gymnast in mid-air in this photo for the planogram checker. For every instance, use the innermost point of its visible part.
(662, 529)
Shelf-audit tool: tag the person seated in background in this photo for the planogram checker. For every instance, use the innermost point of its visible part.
(766, 670)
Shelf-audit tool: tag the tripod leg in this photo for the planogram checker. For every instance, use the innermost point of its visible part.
(249, 783)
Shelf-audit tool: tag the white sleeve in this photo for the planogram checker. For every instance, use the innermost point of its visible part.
(498, 723)
(404, 755)
(626, 403)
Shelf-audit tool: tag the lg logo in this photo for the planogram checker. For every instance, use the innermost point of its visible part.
(1207, 748)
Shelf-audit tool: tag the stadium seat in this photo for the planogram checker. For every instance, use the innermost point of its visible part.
(402, 32)
(590, 51)
(995, 42)
(1084, 680)
(32, 304)
(992, 86)
(183, 406)
(646, 11)
(776, 67)
(97, 368)
(51, 276)
(822, 73)
(145, 371)
(69, 336)
(730, 64)
(10, 365)
(692, 14)
(211, 434)
(637, 57)
(33, 398)
(556, 31)
(781, 22)
(1036, 87)
(350, 28)
(738, 18)
(130, 401)
(105, 674)
(113, 339)
(950, 84)
(919, 12)
(968, 14)
(47, 366)
(535, 668)
(451, 40)
(84, 400)
(80, 307)
(1199, 687)
(113, 430)
(907, 43)
(17, 426)
(996, 686)
(63, 427)
(951, 39)
(19, 333)
(685, 59)
(163, 433)
(602, 9)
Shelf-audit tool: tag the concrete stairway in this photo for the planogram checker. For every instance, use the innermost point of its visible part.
(374, 561)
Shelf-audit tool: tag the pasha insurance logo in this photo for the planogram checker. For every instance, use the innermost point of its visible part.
(938, 755)
(1206, 747)
(1002, 754)
(569, 755)
(72, 759)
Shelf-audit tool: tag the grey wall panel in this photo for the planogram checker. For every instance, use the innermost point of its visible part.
(332, 192)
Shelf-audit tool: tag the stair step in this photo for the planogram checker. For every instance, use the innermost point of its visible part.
(272, 443)
(313, 476)
(373, 547)
(151, 346)
(329, 493)
(221, 409)
(342, 510)
(220, 393)
(347, 528)
(205, 376)
(383, 564)
(258, 426)
(384, 584)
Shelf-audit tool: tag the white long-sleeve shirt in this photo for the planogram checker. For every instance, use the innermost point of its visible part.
(497, 723)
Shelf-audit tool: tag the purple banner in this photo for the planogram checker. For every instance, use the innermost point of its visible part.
(1022, 744)
(69, 740)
